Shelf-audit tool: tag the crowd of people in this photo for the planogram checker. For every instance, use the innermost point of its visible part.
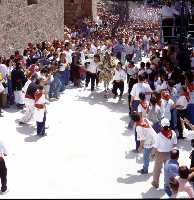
(160, 93)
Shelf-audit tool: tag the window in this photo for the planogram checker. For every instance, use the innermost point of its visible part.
(30, 2)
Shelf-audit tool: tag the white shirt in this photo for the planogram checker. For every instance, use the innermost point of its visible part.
(1, 87)
(138, 88)
(142, 71)
(24, 89)
(68, 56)
(140, 109)
(120, 75)
(92, 67)
(163, 144)
(166, 108)
(93, 49)
(182, 101)
(160, 86)
(62, 67)
(132, 71)
(146, 134)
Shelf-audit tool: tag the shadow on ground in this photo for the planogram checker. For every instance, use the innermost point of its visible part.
(26, 129)
(98, 98)
(131, 179)
(153, 193)
(32, 138)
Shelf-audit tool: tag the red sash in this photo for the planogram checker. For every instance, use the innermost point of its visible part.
(39, 106)
(28, 97)
(143, 123)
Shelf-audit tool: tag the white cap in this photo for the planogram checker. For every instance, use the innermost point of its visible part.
(165, 122)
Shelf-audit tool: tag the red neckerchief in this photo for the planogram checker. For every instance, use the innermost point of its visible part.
(191, 87)
(165, 95)
(186, 94)
(167, 134)
(144, 105)
(143, 123)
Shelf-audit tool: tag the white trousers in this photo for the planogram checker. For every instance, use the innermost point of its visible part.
(19, 97)
(29, 113)
(39, 114)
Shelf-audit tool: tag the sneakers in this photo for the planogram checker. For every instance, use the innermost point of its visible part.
(142, 171)
(154, 184)
(4, 189)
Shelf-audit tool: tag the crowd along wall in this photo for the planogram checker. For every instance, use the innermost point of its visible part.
(24, 21)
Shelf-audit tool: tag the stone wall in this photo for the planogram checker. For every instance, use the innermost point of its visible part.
(22, 23)
(76, 9)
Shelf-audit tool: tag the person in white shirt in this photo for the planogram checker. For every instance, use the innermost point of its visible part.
(161, 83)
(91, 73)
(167, 104)
(146, 135)
(68, 57)
(137, 88)
(118, 81)
(3, 168)
(181, 107)
(143, 106)
(165, 141)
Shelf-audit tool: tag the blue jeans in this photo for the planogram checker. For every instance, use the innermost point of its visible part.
(134, 105)
(62, 79)
(66, 76)
(137, 142)
(55, 88)
(173, 121)
(190, 111)
(146, 158)
(168, 191)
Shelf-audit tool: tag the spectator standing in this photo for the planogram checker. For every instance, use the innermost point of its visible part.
(171, 168)
(166, 140)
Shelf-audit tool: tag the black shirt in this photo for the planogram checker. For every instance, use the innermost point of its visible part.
(31, 90)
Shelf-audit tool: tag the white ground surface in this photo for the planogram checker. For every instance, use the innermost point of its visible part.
(85, 155)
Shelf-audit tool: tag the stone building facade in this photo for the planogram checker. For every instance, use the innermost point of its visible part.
(24, 21)
(76, 9)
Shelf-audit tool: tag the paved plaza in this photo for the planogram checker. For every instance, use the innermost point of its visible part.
(86, 153)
